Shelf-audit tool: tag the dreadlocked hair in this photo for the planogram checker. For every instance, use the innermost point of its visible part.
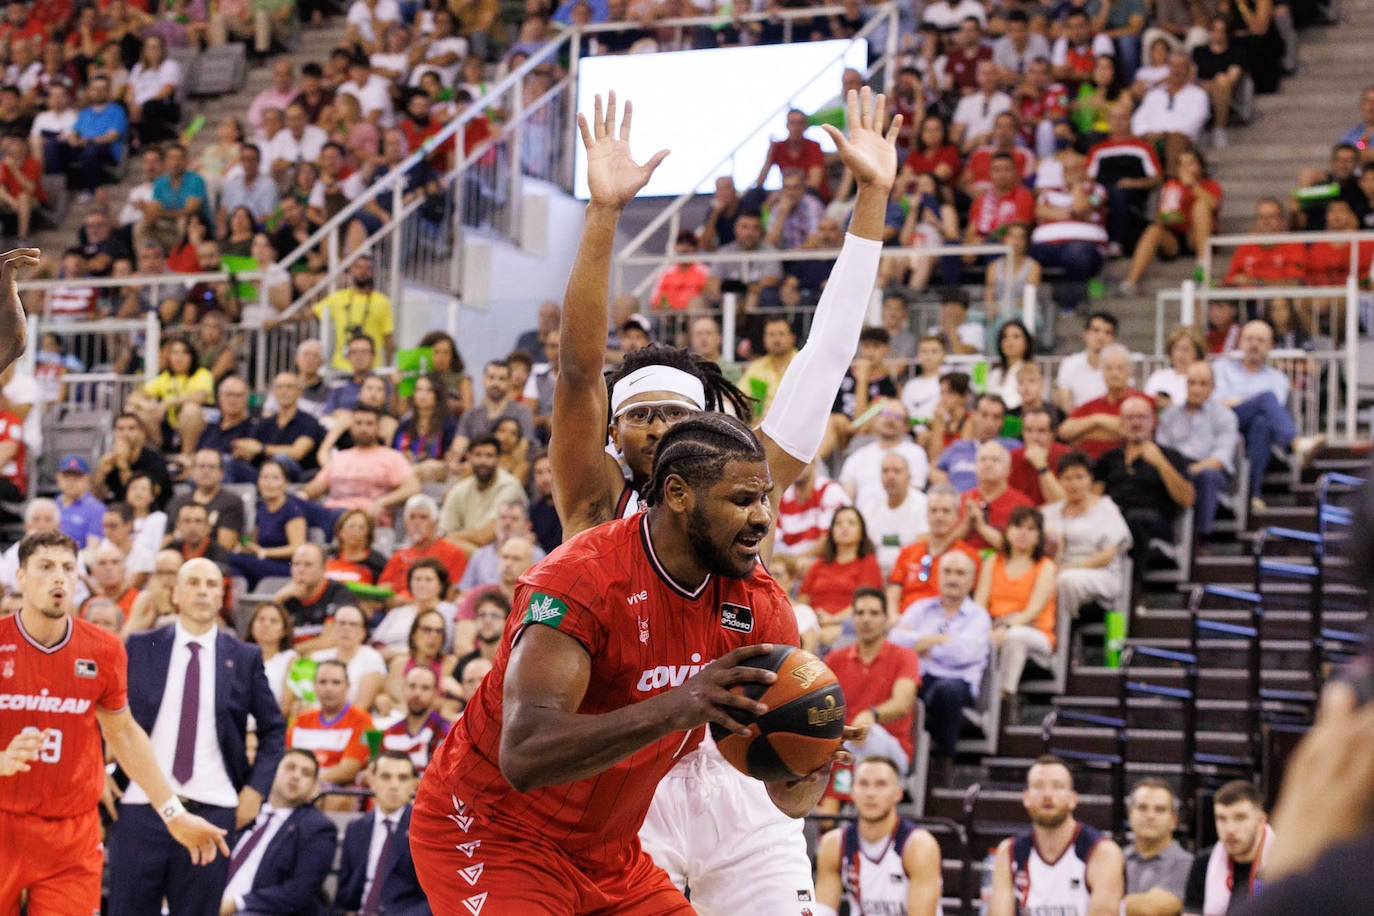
(697, 450)
(721, 394)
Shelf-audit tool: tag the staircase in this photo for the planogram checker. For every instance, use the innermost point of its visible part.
(1294, 128)
(315, 43)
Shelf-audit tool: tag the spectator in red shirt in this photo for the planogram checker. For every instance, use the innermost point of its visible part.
(421, 520)
(986, 508)
(1032, 465)
(847, 561)
(681, 281)
(1223, 326)
(932, 154)
(1328, 264)
(961, 63)
(419, 125)
(977, 176)
(879, 679)
(1254, 264)
(1095, 427)
(1042, 104)
(797, 152)
(21, 183)
(1189, 207)
(1006, 202)
(1071, 232)
(916, 571)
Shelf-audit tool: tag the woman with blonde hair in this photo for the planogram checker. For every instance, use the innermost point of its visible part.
(1184, 346)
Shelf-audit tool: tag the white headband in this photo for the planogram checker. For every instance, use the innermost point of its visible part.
(658, 378)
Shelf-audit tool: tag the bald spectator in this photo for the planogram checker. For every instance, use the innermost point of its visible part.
(1033, 465)
(1205, 432)
(916, 573)
(1095, 426)
(104, 613)
(1149, 484)
(532, 341)
(1258, 393)
(1256, 264)
(110, 579)
(986, 507)
(516, 556)
(974, 116)
(704, 338)
(40, 516)
(512, 520)
(897, 517)
(421, 519)
(956, 465)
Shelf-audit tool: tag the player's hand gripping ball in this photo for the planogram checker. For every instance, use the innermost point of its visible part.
(804, 723)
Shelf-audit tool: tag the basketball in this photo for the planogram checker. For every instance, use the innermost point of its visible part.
(802, 727)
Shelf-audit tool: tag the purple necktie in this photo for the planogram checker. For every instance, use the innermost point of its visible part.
(258, 831)
(183, 764)
(373, 902)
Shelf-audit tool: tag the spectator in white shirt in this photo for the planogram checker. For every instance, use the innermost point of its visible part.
(299, 141)
(1080, 375)
(861, 475)
(372, 92)
(153, 93)
(50, 124)
(977, 112)
(441, 53)
(367, 21)
(897, 517)
(947, 15)
(392, 63)
(1175, 112)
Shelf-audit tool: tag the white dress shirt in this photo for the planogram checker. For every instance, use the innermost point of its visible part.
(374, 850)
(978, 112)
(285, 146)
(271, 820)
(209, 783)
(1185, 112)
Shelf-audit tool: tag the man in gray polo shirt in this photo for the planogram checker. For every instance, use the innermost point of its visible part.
(1156, 865)
(1206, 432)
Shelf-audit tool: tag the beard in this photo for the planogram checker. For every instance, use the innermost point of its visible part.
(716, 560)
(1049, 820)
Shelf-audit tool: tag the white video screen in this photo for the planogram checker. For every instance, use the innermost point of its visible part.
(702, 105)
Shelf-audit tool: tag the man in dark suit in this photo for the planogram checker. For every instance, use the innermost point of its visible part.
(192, 689)
(376, 874)
(279, 864)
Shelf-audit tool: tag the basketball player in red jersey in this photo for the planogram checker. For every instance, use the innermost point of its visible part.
(623, 644)
(62, 686)
(738, 853)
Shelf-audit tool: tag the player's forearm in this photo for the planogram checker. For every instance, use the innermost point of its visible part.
(585, 302)
(798, 799)
(870, 208)
(134, 752)
(547, 747)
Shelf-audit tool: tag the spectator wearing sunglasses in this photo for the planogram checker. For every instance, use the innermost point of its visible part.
(915, 573)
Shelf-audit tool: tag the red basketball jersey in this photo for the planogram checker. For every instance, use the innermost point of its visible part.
(645, 635)
(59, 688)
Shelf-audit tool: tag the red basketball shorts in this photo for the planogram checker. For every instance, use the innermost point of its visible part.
(470, 867)
(57, 861)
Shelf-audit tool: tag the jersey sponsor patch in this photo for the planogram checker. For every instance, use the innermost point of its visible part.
(736, 617)
(545, 609)
(86, 667)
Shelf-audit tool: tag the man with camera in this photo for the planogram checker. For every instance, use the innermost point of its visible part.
(358, 311)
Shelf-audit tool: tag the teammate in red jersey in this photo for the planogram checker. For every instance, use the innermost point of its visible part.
(625, 642)
(62, 686)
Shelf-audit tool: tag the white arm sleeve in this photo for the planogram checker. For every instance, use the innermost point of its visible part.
(796, 420)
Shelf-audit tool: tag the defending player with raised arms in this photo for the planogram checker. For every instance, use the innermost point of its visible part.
(534, 800)
(63, 687)
(737, 854)
(883, 864)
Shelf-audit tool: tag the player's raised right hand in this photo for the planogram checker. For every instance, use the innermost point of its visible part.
(706, 696)
(23, 750)
(613, 177)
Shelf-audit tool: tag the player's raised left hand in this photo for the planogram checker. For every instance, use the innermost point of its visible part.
(867, 152)
(199, 836)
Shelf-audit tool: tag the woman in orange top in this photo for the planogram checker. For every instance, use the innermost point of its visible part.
(1018, 589)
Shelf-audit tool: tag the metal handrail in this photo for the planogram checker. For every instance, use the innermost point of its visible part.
(1284, 238)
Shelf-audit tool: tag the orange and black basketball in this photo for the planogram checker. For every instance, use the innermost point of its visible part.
(802, 727)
